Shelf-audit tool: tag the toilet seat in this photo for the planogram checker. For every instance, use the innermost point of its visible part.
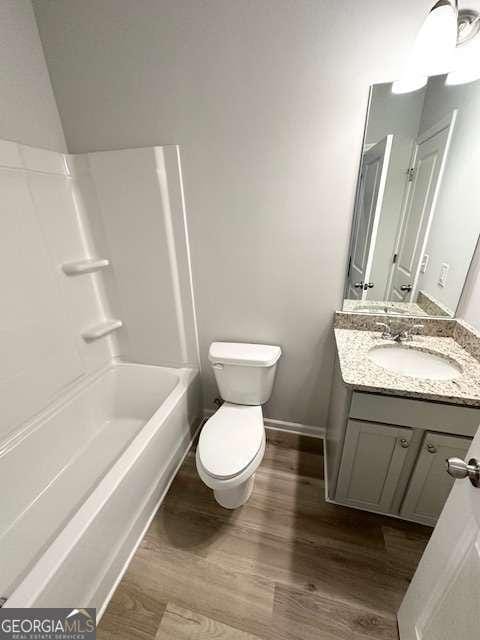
(230, 440)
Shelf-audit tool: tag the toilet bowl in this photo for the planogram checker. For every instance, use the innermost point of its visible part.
(230, 449)
(232, 442)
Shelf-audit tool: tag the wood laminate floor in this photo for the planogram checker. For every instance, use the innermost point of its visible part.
(286, 566)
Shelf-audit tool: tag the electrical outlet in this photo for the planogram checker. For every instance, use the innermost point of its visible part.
(442, 278)
(425, 261)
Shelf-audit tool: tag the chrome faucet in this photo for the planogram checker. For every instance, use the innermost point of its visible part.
(401, 334)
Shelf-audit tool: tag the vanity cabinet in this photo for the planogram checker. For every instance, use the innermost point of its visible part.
(389, 455)
(429, 484)
(372, 462)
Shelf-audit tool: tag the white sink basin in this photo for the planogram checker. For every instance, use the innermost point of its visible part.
(409, 361)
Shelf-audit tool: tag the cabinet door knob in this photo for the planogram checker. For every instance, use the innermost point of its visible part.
(431, 448)
(404, 443)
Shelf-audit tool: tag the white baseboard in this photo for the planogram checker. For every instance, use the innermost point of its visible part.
(296, 427)
(282, 425)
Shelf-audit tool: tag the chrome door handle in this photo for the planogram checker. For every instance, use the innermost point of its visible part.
(369, 285)
(404, 443)
(431, 448)
(364, 285)
(459, 469)
(406, 287)
(358, 285)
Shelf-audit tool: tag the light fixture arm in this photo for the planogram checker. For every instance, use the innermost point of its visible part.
(468, 25)
(468, 21)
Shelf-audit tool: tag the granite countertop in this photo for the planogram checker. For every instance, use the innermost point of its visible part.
(361, 373)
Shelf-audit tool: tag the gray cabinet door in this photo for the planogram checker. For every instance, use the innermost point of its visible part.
(372, 463)
(430, 483)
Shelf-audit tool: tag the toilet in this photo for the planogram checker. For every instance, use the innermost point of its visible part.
(232, 441)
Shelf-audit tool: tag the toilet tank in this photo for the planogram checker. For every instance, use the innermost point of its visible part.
(244, 372)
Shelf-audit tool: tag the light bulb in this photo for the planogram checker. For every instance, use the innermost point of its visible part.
(436, 41)
(409, 82)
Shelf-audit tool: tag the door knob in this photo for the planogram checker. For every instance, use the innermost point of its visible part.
(369, 285)
(406, 287)
(459, 469)
(358, 285)
(364, 285)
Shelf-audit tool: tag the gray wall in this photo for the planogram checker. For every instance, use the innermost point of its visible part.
(267, 99)
(28, 112)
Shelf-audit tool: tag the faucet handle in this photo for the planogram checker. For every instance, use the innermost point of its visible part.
(386, 333)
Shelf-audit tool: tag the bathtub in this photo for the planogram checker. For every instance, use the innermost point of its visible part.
(80, 484)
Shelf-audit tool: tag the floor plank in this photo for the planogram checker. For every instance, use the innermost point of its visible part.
(287, 565)
(405, 547)
(303, 616)
(133, 614)
(238, 599)
(181, 624)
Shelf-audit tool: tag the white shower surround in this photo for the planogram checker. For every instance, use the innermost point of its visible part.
(89, 441)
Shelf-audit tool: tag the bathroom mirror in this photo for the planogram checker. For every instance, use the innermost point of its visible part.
(417, 209)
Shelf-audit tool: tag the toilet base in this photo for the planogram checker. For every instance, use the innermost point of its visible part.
(235, 497)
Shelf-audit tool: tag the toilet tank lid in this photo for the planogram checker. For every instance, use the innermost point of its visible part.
(253, 355)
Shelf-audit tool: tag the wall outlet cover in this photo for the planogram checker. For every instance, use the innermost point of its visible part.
(442, 278)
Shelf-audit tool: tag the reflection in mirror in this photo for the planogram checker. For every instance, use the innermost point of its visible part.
(417, 209)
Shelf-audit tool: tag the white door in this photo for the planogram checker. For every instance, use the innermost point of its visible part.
(443, 599)
(425, 176)
(371, 188)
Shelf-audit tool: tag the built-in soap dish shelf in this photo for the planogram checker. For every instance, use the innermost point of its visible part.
(84, 266)
(100, 330)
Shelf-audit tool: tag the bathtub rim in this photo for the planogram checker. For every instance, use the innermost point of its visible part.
(50, 561)
(69, 394)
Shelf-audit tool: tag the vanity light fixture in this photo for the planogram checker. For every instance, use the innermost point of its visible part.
(446, 42)
(434, 48)
(466, 60)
